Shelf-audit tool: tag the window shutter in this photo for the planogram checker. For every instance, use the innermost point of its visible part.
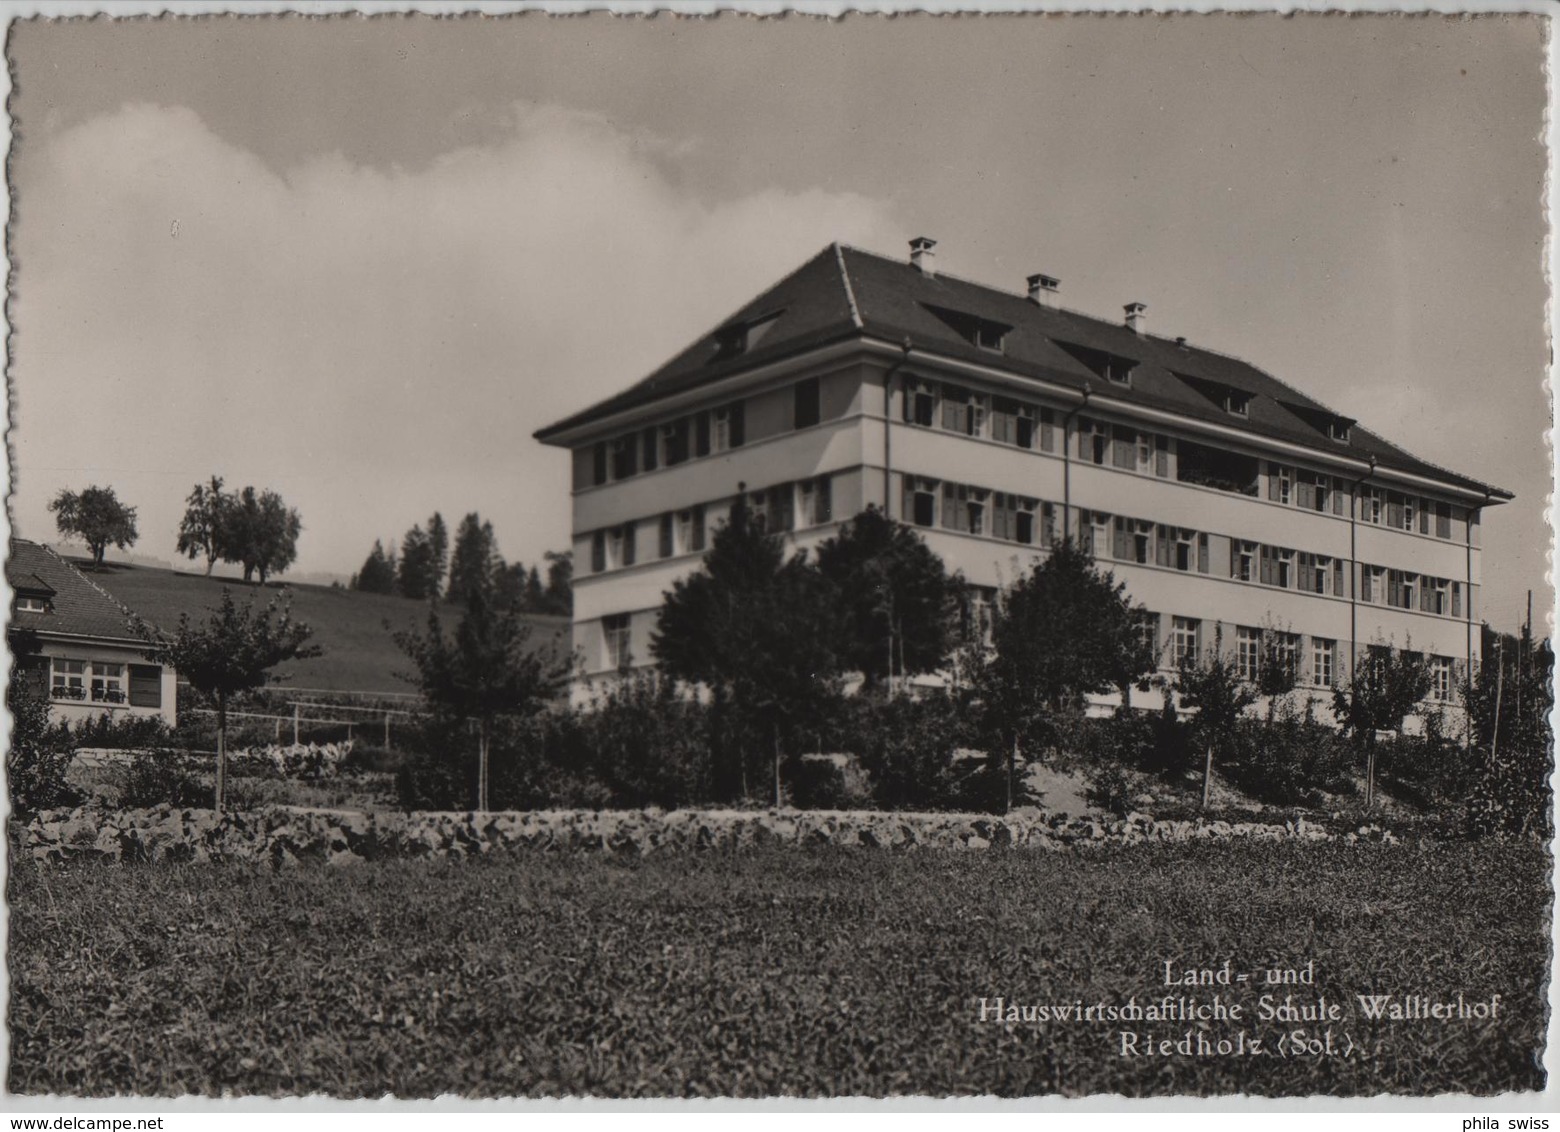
(1395, 513)
(666, 535)
(1456, 599)
(1337, 577)
(952, 414)
(1306, 563)
(1047, 432)
(1202, 554)
(1273, 482)
(702, 434)
(1085, 430)
(599, 463)
(647, 447)
(1424, 516)
(598, 552)
(1426, 596)
(737, 416)
(1161, 456)
(1267, 567)
(145, 685)
(1337, 498)
(1365, 580)
(1122, 454)
(1118, 548)
(1161, 545)
(907, 402)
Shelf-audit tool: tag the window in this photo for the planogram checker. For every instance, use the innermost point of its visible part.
(620, 545)
(668, 535)
(781, 508)
(649, 444)
(1099, 533)
(1013, 518)
(920, 404)
(817, 505)
(1237, 403)
(690, 530)
(1409, 507)
(963, 411)
(1456, 599)
(1148, 634)
(68, 680)
(727, 427)
(1093, 441)
(1183, 640)
(616, 630)
(1438, 597)
(1118, 371)
(921, 501)
(145, 686)
(598, 552)
(1373, 584)
(955, 501)
(1248, 653)
(978, 603)
(1338, 429)
(975, 510)
(1443, 520)
(1322, 661)
(701, 434)
(674, 441)
(1012, 423)
(989, 336)
(1185, 550)
(1280, 483)
(1145, 453)
(27, 603)
(806, 398)
(598, 464)
(1284, 653)
(1370, 505)
(624, 453)
(1243, 559)
(108, 682)
(1441, 679)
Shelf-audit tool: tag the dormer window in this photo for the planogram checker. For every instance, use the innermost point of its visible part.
(741, 337)
(31, 603)
(1338, 429)
(982, 333)
(1237, 403)
(1113, 368)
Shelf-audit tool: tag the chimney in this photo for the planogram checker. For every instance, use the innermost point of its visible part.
(921, 255)
(1137, 314)
(1043, 289)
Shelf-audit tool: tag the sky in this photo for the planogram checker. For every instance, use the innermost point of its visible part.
(361, 260)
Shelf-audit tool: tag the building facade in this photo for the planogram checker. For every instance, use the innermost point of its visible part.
(73, 643)
(1231, 504)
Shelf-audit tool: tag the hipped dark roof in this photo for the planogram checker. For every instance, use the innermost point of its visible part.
(844, 293)
(77, 607)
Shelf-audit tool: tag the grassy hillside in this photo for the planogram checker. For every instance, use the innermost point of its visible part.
(350, 627)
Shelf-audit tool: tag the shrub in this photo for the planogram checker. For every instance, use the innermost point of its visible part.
(1430, 769)
(1288, 758)
(1111, 789)
(909, 749)
(829, 782)
(40, 753)
(121, 732)
(161, 776)
(644, 743)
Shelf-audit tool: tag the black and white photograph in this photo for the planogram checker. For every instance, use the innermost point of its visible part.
(663, 556)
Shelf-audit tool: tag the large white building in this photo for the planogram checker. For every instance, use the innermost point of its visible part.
(993, 421)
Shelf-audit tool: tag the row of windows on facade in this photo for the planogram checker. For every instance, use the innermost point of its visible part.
(705, 433)
(1005, 420)
(105, 682)
(980, 511)
(784, 507)
(1319, 665)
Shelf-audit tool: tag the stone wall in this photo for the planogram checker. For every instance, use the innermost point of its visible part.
(285, 834)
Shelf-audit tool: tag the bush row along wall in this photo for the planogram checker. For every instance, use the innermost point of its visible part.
(285, 834)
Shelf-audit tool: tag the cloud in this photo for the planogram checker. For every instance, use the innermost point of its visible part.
(373, 343)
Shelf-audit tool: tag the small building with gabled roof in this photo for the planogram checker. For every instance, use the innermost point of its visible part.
(74, 642)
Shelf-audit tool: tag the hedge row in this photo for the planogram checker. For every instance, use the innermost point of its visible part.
(285, 834)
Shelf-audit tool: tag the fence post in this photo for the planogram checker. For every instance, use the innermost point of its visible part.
(387, 731)
(295, 725)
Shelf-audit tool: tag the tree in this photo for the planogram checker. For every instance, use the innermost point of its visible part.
(203, 529)
(95, 516)
(472, 560)
(1508, 698)
(753, 627)
(1384, 687)
(896, 599)
(414, 577)
(1212, 686)
(231, 652)
(488, 669)
(560, 582)
(378, 573)
(438, 553)
(1060, 632)
(261, 534)
(40, 752)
